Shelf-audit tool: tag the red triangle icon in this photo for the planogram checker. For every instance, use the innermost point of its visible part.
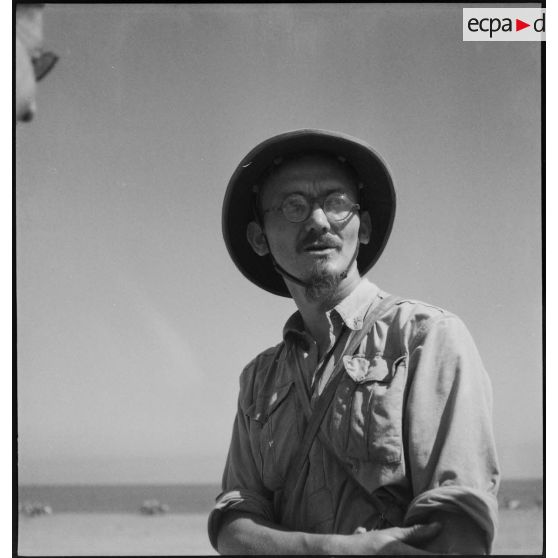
(519, 25)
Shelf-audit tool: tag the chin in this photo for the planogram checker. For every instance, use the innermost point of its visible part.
(325, 266)
(323, 283)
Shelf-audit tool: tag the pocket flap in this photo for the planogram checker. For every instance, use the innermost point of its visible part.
(361, 369)
(265, 404)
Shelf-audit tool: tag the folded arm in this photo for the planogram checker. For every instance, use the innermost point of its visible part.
(450, 444)
(459, 535)
(244, 533)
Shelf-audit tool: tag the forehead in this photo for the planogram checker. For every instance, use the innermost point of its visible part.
(29, 25)
(309, 173)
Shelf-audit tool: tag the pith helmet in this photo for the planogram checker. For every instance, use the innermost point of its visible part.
(377, 196)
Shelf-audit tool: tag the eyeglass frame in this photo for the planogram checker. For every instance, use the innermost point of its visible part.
(311, 201)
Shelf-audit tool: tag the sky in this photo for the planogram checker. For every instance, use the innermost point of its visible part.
(133, 324)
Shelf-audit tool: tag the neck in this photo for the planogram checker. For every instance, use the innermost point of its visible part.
(315, 312)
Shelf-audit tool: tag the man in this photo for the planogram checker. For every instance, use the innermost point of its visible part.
(367, 430)
(32, 63)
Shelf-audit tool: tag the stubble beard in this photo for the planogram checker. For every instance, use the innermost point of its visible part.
(322, 284)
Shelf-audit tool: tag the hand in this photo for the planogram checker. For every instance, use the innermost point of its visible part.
(395, 540)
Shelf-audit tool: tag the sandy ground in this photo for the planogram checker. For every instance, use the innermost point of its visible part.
(520, 532)
(83, 534)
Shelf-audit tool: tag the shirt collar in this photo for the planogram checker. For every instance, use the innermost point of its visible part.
(351, 309)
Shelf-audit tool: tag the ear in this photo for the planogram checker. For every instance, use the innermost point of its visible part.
(365, 229)
(256, 238)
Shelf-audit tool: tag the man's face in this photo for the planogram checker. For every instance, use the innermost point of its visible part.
(29, 39)
(317, 246)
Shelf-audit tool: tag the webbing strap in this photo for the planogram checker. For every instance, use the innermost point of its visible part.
(374, 312)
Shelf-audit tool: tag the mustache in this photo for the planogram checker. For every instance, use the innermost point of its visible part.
(313, 241)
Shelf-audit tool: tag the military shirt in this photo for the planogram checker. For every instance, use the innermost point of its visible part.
(410, 422)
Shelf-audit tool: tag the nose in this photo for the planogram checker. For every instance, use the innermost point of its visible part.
(27, 115)
(317, 220)
(25, 109)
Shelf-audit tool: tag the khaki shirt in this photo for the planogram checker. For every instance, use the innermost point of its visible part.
(412, 415)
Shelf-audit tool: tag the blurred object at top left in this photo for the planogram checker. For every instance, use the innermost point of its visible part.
(32, 62)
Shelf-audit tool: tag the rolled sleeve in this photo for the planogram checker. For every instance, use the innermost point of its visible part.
(237, 500)
(242, 487)
(451, 449)
(480, 506)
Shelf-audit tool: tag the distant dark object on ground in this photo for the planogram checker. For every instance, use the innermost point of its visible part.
(528, 492)
(153, 507)
(32, 509)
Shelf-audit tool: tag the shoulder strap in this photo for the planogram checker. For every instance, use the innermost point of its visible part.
(374, 312)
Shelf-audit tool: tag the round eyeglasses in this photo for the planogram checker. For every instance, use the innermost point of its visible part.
(297, 207)
(43, 64)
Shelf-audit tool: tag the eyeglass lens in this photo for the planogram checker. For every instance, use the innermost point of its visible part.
(297, 208)
(43, 64)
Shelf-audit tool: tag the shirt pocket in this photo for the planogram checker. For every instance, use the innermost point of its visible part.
(366, 418)
(274, 433)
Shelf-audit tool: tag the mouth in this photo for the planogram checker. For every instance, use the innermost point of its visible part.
(320, 248)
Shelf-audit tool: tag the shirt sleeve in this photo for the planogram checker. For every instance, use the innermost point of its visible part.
(242, 487)
(450, 443)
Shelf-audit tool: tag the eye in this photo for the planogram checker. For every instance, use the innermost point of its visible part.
(338, 203)
(295, 206)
